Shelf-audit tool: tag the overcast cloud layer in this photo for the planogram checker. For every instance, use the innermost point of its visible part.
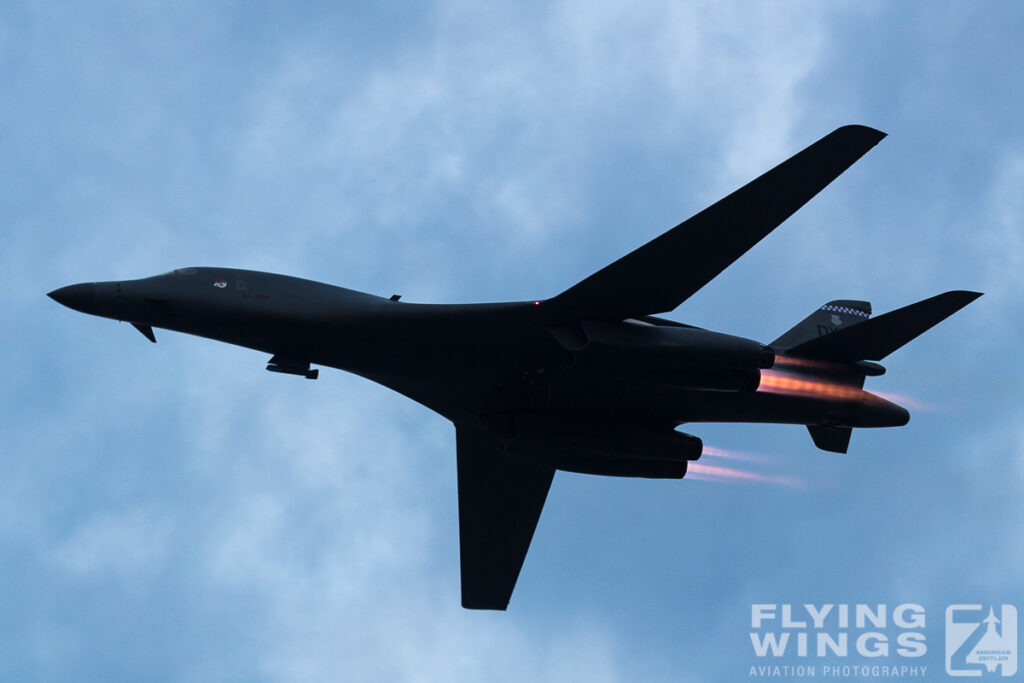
(174, 512)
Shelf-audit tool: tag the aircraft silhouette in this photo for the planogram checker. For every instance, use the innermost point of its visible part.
(586, 381)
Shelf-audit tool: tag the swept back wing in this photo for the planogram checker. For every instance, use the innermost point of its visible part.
(669, 269)
(500, 501)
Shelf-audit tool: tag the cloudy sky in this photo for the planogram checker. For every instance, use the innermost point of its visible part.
(174, 512)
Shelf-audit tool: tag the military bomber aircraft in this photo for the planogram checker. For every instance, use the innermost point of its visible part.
(586, 381)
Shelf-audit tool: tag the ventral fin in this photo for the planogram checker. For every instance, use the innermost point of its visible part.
(146, 331)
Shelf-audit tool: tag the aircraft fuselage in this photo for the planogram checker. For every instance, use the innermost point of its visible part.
(473, 359)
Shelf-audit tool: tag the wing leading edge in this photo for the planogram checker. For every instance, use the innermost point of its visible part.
(500, 501)
(666, 271)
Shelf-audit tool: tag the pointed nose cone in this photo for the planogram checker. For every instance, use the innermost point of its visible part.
(78, 297)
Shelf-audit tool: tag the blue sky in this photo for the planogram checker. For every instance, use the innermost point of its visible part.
(174, 512)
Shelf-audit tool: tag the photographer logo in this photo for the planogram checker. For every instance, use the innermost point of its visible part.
(981, 640)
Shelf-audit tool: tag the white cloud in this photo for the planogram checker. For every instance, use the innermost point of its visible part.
(495, 124)
(323, 506)
(1003, 232)
(325, 512)
(329, 507)
(130, 544)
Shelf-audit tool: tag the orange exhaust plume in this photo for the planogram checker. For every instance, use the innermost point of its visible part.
(776, 382)
(907, 401)
(789, 361)
(703, 472)
(792, 383)
(735, 455)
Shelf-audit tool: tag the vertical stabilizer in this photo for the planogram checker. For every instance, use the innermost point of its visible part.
(829, 318)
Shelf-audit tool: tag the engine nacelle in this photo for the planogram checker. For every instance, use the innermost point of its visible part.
(590, 447)
(622, 467)
(685, 356)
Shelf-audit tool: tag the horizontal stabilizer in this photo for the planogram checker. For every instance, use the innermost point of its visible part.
(876, 338)
(669, 269)
(831, 439)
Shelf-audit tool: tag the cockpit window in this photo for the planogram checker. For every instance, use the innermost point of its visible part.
(186, 271)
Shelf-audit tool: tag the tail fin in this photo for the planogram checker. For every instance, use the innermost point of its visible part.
(826, 320)
(832, 439)
(838, 340)
(876, 338)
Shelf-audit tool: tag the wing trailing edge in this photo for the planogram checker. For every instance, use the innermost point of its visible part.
(666, 271)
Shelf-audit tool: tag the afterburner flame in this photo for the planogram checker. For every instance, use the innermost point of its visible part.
(703, 472)
(907, 401)
(794, 383)
(790, 361)
(741, 470)
(791, 384)
(714, 452)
